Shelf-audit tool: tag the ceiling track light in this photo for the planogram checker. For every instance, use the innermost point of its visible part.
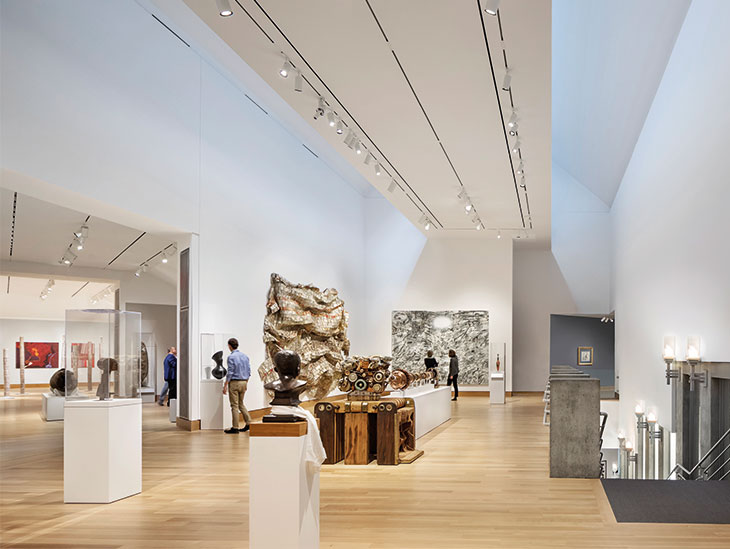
(492, 7)
(68, 258)
(516, 146)
(298, 82)
(521, 168)
(523, 185)
(480, 227)
(358, 147)
(369, 158)
(499, 235)
(224, 8)
(286, 68)
(512, 122)
(319, 111)
(348, 138)
(468, 207)
(340, 127)
(378, 169)
(507, 80)
(392, 186)
(331, 119)
(462, 195)
(427, 226)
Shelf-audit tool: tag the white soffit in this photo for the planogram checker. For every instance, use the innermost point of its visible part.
(416, 83)
(608, 62)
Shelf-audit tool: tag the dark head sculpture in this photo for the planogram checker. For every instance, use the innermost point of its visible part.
(287, 365)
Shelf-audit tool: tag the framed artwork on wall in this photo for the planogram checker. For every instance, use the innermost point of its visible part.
(585, 356)
(37, 355)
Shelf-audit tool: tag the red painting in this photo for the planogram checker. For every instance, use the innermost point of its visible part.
(38, 355)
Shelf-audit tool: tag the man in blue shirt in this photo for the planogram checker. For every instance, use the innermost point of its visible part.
(239, 370)
(170, 372)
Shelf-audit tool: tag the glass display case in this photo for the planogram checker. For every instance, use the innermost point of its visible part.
(115, 370)
(214, 355)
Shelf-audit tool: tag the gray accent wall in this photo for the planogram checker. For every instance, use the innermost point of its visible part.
(568, 332)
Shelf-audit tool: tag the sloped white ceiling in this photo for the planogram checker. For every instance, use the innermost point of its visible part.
(608, 61)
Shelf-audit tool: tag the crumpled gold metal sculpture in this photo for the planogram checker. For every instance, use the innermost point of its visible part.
(312, 323)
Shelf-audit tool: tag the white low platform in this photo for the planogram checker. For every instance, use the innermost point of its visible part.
(433, 406)
(496, 388)
(283, 494)
(52, 407)
(215, 409)
(102, 450)
(148, 394)
(172, 409)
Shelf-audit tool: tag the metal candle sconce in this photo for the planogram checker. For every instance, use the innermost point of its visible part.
(693, 359)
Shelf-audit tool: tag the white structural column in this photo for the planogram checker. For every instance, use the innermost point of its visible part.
(283, 489)
(496, 388)
(102, 450)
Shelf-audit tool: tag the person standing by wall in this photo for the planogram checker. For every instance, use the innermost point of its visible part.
(454, 373)
(429, 361)
(170, 370)
(239, 370)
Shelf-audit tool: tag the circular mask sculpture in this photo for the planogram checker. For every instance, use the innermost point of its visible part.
(219, 372)
(361, 385)
(144, 363)
(61, 380)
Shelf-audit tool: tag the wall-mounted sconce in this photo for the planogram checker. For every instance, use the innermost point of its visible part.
(670, 356)
(641, 437)
(693, 358)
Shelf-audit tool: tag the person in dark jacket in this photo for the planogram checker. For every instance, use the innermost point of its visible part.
(171, 373)
(429, 361)
(454, 373)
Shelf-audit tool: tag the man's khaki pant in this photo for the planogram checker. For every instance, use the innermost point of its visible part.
(236, 392)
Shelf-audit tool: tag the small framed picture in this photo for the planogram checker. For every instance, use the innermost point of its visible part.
(585, 356)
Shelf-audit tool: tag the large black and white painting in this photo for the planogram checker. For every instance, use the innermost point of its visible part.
(466, 332)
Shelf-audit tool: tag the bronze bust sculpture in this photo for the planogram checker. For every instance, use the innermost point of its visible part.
(287, 388)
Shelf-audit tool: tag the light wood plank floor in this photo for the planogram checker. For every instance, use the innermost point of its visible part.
(483, 482)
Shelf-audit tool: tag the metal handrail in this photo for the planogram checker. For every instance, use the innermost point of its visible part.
(678, 467)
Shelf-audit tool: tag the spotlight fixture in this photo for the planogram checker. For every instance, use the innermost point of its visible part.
(480, 227)
(499, 235)
(320, 108)
(358, 147)
(224, 8)
(512, 122)
(507, 80)
(378, 169)
(164, 257)
(392, 185)
(331, 119)
(298, 82)
(523, 185)
(285, 69)
(83, 232)
(513, 132)
(422, 219)
(78, 243)
(340, 127)
(468, 207)
(516, 146)
(492, 7)
(521, 168)
(348, 138)
(368, 158)
(462, 195)
(427, 226)
(68, 258)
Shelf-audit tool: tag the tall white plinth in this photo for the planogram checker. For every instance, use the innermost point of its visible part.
(496, 388)
(215, 408)
(52, 407)
(283, 491)
(102, 450)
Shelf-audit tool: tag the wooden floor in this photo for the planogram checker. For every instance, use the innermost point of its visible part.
(483, 482)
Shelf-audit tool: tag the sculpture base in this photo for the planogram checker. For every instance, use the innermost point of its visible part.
(271, 418)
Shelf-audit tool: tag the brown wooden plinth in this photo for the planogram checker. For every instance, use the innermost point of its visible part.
(297, 429)
(357, 450)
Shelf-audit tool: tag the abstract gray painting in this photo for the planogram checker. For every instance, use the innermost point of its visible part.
(466, 332)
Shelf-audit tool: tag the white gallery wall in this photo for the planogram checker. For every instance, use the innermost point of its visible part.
(671, 254)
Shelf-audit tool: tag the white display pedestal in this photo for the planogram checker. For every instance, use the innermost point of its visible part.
(173, 410)
(102, 450)
(52, 407)
(148, 394)
(433, 406)
(215, 408)
(496, 388)
(283, 491)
